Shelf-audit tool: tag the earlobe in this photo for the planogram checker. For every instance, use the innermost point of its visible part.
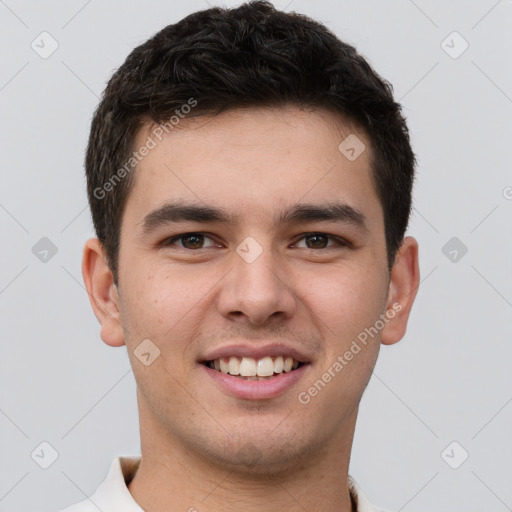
(102, 292)
(403, 286)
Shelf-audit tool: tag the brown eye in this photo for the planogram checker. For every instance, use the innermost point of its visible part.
(318, 241)
(193, 241)
(189, 241)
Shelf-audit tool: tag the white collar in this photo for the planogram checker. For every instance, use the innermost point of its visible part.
(113, 494)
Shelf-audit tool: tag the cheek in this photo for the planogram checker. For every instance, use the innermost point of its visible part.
(165, 305)
(344, 307)
(152, 304)
(346, 301)
(163, 308)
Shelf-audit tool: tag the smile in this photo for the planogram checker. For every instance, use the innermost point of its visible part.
(249, 368)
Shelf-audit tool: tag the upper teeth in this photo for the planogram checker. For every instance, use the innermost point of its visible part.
(249, 367)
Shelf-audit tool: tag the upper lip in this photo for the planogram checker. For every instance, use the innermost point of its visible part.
(256, 352)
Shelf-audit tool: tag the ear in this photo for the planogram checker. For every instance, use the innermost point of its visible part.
(403, 285)
(103, 293)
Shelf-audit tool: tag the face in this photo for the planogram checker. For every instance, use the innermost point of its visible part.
(249, 239)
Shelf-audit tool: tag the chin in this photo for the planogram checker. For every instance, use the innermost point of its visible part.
(264, 455)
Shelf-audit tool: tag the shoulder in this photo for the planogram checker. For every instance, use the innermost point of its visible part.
(362, 502)
(112, 493)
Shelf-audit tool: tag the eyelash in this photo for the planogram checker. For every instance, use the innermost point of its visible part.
(339, 241)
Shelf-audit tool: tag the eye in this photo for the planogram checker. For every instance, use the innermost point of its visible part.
(189, 241)
(321, 241)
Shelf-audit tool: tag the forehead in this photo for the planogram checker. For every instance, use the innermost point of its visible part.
(251, 162)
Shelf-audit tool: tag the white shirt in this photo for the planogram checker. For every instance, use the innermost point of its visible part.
(113, 494)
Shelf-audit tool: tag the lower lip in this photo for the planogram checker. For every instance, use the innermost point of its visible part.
(256, 389)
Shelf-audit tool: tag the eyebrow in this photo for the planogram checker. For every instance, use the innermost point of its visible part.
(296, 214)
(332, 212)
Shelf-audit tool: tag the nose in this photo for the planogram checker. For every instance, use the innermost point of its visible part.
(257, 291)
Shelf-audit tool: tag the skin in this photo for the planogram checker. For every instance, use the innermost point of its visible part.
(200, 447)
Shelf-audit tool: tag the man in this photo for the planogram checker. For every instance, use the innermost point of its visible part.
(249, 177)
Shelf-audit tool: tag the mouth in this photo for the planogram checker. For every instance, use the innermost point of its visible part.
(248, 368)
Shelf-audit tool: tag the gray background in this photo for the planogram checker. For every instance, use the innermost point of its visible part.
(448, 380)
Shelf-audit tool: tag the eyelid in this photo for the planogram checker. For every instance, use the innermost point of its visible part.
(169, 241)
(339, 241)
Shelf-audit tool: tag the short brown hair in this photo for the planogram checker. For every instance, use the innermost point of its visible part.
(249, 56)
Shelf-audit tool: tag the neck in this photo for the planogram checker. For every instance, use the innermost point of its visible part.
(172, 477)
